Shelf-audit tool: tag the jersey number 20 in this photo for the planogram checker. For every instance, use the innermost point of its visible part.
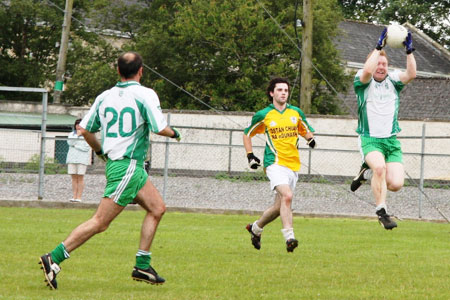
(120, 117)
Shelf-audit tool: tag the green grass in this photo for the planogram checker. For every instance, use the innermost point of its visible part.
(206, 256)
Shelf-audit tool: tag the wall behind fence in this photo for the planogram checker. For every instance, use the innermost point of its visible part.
(336, 155)
(213, 143)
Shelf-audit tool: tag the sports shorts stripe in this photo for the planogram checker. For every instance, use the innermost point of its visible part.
(124, 179)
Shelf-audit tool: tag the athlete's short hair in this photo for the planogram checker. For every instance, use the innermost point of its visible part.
(129, 64)
(382, 53)
(273, 83)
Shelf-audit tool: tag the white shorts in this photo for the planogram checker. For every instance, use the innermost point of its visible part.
(281, 175)
(76, 169)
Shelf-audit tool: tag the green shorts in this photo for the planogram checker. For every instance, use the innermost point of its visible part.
(389, 147)
(124, 179)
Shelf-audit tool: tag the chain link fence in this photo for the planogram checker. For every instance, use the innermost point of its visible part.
(20, 152)
(215, 152)
(206, 154)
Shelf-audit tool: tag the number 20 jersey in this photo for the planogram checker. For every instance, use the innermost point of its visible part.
(125, 114)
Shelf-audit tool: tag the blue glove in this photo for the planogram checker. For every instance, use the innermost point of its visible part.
(382, 40)
(408, 43)
(176, 135)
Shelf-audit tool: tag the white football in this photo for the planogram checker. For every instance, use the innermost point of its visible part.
(396, 35)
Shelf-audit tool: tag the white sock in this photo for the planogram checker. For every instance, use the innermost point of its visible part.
(143, 253)
(288, 233)
(368, 174)
(382, 205)
(256, 229)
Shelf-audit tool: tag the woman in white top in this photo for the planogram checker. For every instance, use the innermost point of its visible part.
(78, 158)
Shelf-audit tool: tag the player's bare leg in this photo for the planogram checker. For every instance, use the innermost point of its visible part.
(395, 176)
(375, 160)
(150, 200)
(106, 212)
(379, 187)
(286, 196)
(268, 216)
(271, 213)
(282, 202)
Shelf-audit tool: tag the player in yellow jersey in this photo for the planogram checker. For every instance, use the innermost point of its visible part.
(282, 124)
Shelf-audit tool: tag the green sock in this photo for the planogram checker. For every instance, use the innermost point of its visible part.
(59, 254)
(143, 259)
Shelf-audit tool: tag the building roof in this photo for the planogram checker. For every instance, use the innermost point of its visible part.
(58, 122)
(423, 98)
(358, 39)
(427, 96)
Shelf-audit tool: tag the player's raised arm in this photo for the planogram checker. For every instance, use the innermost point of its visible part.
(372, 60)
(411, 68)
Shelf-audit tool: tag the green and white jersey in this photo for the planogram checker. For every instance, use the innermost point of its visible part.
(125, 114)
(378, 104)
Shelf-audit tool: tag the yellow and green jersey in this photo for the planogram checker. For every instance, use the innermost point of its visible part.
(282, 130)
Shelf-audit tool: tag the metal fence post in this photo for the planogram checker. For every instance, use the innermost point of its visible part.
(422, 167)
(166, 161)
(230, 142)
(43, 129)
(43, 135)
(309, 161)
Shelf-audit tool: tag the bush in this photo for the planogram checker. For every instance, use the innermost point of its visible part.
(243, 177)
(50, 165)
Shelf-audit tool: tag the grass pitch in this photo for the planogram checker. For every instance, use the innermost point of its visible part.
(210, 257)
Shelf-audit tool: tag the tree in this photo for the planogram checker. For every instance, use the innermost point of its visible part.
(432, 17)
(90, 70)
(219, 51)
(30, 32)
(225, 52)
(27, 44)
(122, 16)
(327, 60)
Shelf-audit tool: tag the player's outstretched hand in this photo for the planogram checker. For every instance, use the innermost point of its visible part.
(102, 156)
(176, 135)
(408, 43)
(311, 142)
(382, 39)
(253, 161)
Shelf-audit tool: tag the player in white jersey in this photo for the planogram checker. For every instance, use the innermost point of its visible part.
(378, 92)
(126, 114)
